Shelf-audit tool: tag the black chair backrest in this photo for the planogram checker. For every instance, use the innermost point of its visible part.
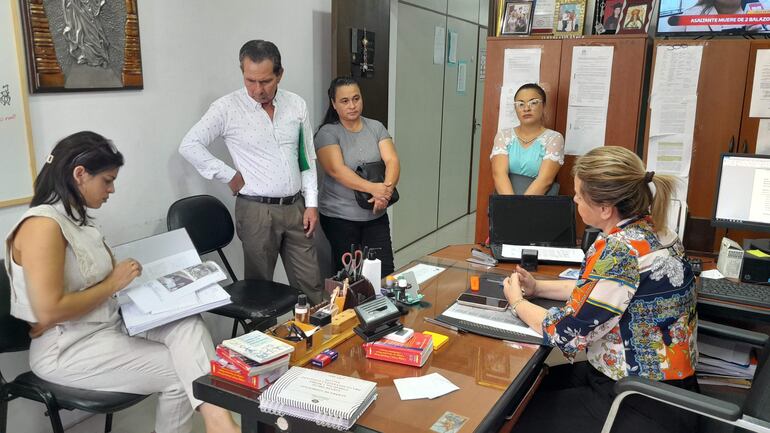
(757, 403)
(206, 219)
(14, 333)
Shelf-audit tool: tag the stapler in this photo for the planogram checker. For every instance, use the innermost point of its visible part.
(377, 318)
(481, 258)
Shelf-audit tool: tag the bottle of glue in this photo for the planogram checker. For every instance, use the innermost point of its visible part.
(372, 270)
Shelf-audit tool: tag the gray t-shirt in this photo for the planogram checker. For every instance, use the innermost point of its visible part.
(336, 200)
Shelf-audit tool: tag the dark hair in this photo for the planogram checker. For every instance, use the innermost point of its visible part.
(331, 114)
(532, 86)
(259, 50)
(55, 182)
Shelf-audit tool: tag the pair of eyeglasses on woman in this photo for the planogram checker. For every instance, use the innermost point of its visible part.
(532, 103)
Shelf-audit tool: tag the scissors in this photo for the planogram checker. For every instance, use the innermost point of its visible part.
(351, 262)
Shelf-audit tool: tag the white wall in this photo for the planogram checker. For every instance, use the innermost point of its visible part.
(189, 58)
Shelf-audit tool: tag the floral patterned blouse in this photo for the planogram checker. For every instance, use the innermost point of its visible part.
(633, 307)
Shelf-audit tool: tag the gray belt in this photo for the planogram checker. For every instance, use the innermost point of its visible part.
(272, 200)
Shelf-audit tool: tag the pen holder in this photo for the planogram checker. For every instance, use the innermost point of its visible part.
(302, 347)
(358, 292)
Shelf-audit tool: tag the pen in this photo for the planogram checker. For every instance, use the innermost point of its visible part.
(444, 325)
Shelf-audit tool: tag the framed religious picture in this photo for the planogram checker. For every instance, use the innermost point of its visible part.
(607, 16)
(568, 17)
(517, 19)
(635, 17)
(79, 45)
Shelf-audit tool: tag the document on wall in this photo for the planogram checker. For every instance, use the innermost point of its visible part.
(763, 137)
(507, 116)
(586, 127)
(677, 70)
(542, 19)
(521, 66)
(760, 89)
(454, 39)
(672, 114)
(591, 74)
(439, 45)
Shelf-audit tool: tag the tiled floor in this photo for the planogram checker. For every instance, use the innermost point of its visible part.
(140, 418)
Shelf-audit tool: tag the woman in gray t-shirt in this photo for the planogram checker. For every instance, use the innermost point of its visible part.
(344, 141)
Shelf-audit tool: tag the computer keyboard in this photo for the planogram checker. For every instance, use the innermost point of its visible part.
(544, 254)
(743, 293)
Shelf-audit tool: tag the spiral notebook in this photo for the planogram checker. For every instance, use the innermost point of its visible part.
(329, 400)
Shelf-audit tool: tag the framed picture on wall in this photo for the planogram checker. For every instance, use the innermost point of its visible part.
(517, 18)
(568, 17)
(607, 16)
(635, 17)
(74, 47)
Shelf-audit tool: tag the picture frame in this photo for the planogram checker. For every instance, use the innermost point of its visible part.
(635, 17)
(517, 17)
(72, 48)
(569, 16)
(607, 14)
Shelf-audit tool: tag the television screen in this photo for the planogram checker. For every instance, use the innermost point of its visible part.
(714, 16)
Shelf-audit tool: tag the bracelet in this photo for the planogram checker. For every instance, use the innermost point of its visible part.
(516, 304)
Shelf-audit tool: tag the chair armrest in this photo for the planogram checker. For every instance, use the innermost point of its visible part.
(732, 333)
(683, 398)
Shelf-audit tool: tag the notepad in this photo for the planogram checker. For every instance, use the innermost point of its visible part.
(330, 400)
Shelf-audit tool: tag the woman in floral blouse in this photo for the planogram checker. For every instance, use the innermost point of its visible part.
(632, 310)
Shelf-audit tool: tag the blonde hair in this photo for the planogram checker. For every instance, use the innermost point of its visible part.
(615, 176)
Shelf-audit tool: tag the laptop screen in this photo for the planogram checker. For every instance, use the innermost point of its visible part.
(532, 220)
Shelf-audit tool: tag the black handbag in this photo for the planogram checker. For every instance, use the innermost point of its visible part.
(373, 172)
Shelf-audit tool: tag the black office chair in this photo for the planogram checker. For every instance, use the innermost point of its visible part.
(14, 337)
(717, 414)
(256, 303)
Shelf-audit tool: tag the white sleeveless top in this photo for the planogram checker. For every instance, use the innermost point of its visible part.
(87, 261)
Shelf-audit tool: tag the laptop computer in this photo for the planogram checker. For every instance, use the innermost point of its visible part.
(543, 223)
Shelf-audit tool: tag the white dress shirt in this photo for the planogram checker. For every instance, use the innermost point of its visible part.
(265, 152)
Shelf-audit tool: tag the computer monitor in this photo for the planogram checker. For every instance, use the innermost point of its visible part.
(532, 220)
(743, 192)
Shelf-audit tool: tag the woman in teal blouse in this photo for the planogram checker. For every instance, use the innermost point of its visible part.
(530, 149)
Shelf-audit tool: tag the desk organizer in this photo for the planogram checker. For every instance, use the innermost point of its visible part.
(302, 347)
(358, 292)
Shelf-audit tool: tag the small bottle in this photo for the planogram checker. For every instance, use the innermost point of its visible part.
(390, 284)
(302, 310)
(402, 288)
(372, 270)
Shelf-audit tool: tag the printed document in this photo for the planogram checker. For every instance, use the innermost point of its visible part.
(760, 88)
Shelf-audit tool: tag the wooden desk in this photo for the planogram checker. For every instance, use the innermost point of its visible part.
(494, 376)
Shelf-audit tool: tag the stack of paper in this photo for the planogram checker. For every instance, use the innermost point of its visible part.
(174, 283)
(723, 362)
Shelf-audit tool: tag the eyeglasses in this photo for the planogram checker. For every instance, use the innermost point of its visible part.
(532, 103)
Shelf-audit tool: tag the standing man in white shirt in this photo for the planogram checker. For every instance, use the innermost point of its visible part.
(276, 208)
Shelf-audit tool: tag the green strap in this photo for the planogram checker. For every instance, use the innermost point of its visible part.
(303, 162)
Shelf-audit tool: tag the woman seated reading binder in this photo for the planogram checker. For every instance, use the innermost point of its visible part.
(632, 309)
(63, 278)
(345, 140)
(530, 153)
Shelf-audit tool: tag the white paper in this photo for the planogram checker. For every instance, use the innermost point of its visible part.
(462, 76)
(422, 272)
(453, 40)
(726, 350)
(677, 70)
(586, 127)
(554, 254)
(439, 41)
(542, 18)
(429, 386)
(760, 197)
(763, 137)
(672, 114)
(591, 75)
(712, 274)
(670, 154)
(521, 66)
(507, 117)
(760, 89)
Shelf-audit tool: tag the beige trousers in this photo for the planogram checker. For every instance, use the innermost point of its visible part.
(267, 230)
(103, 357)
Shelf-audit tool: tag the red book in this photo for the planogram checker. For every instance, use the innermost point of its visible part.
(233, 374)
(249, 366)
(414, 352)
